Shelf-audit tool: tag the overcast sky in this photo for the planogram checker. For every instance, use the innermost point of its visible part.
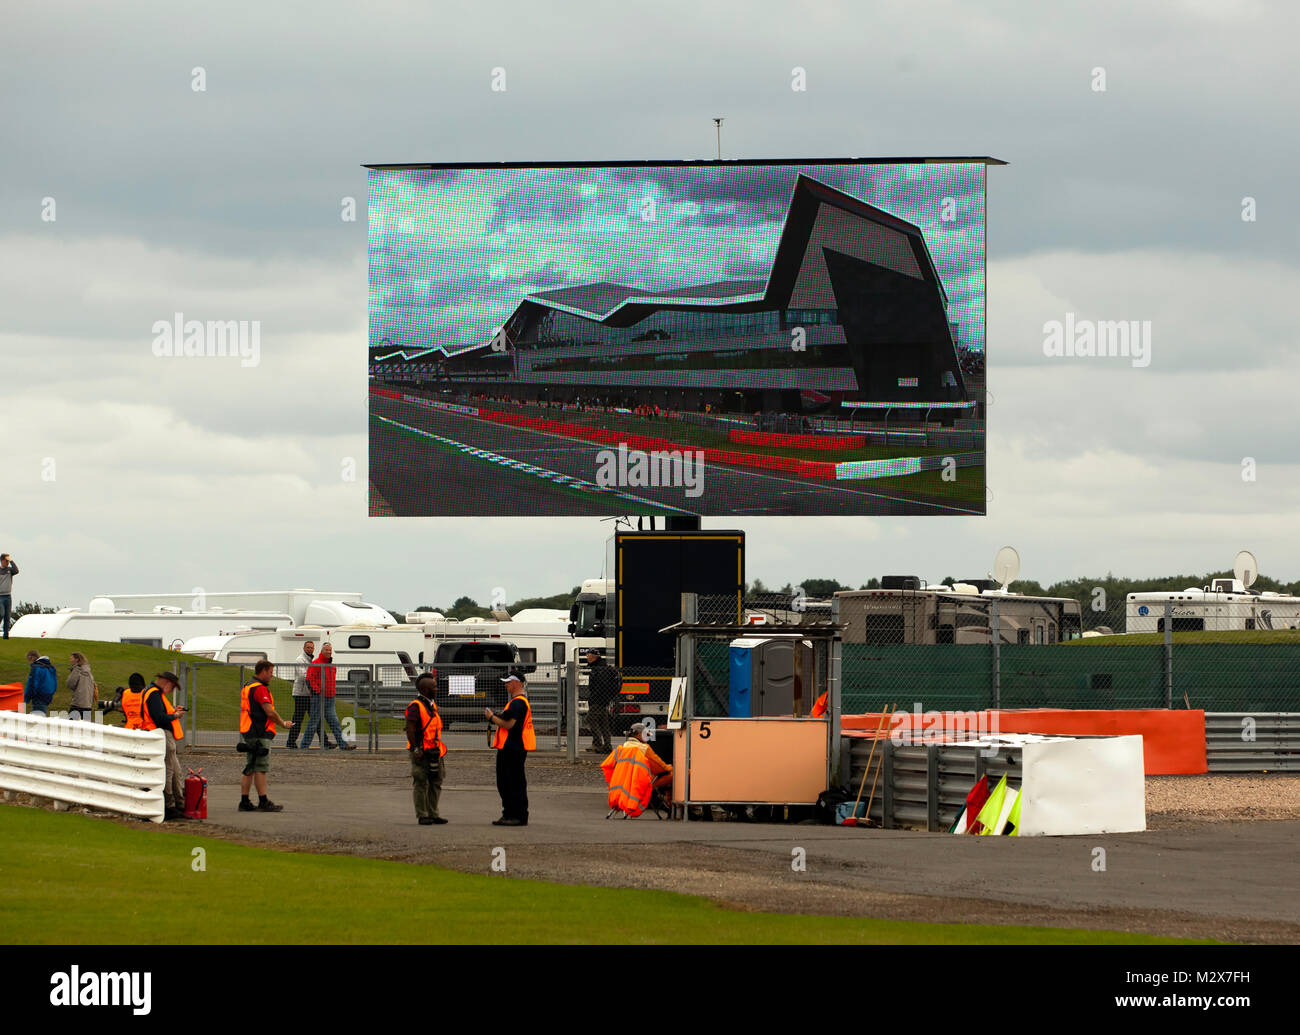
(123, 471)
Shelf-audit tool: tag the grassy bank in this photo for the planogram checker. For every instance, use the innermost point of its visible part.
(370, 901)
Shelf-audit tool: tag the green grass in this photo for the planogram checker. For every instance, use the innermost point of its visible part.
(968, 487)
(1193, 636)
(111, 663)
(139, 887)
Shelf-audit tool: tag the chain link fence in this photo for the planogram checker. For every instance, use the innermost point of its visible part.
(1183, 650)
(369, 702)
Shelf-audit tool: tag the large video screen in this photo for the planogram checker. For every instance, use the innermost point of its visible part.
(711, 338)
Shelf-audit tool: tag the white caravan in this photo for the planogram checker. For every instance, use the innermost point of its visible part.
(1223, 605)
(539, 636)
(304, 606)
(156, 626)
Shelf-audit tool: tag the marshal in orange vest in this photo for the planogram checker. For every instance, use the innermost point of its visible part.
(431, 728)
(252, 717)
(135, 706)
(631, 770)
(530, 738)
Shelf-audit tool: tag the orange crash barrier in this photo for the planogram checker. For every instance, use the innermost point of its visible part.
(1173, 741)
(11, 697)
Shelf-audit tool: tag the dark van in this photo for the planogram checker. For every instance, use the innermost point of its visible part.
(469, 676)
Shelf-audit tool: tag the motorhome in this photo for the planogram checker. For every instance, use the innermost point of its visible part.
(907, 610)
(158, 625)
(1225, 604)
(304, 606)
(170, 619)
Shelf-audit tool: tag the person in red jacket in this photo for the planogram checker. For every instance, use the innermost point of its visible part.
(321, 679)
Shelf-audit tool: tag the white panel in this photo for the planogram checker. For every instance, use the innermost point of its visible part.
(1083, 786)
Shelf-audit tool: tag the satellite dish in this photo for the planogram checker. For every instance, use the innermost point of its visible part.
(1006, 566)
(1245, 568)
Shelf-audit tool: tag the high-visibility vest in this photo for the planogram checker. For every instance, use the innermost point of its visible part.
(177, 732)
(819, 709)
(630, 776)
(430, 728)
(259, 726)
(530, 738)
(134, 711)
(135, 706)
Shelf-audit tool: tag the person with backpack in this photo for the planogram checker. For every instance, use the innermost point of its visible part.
(42, 679)
(82, 685)
(258, 720)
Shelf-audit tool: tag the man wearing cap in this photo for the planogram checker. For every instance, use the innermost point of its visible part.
(513, 738)
(149, 709)
(603, 686)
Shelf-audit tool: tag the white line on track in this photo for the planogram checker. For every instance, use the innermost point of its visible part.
(805, 485)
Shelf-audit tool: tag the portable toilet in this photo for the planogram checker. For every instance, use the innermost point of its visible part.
(762, 676)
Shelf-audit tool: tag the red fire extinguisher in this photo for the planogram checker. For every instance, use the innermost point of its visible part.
(196, 795)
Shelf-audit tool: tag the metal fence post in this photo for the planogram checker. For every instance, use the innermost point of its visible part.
(372, 698)
(1169, 654)
(193, 698)
(833, 713)
(996, 637)
(187, 688)
(686, 662)
(571, 725)
(932, 787)
(885, 759)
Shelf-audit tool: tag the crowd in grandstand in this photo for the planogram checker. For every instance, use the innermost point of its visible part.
(971, 362)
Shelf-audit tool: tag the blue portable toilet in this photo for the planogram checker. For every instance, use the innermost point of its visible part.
(741, 676)
(762, 672)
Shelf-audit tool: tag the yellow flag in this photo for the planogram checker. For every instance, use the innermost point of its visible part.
(1013, 818)
(988, 815)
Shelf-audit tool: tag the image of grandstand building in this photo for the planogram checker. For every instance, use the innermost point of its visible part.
(851, 320)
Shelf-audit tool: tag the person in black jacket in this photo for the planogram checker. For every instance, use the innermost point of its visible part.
(603, 686)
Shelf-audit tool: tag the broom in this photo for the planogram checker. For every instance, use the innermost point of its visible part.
(872, 797)
(852, 821)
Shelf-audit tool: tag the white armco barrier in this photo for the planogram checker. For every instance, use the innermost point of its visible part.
(1094, 785)
(85, 763)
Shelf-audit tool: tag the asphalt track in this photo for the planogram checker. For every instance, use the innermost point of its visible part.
(427, 478)
(1230, 880)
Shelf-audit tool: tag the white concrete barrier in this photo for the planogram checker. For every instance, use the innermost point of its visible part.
(84, 763)
(1092, 785)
